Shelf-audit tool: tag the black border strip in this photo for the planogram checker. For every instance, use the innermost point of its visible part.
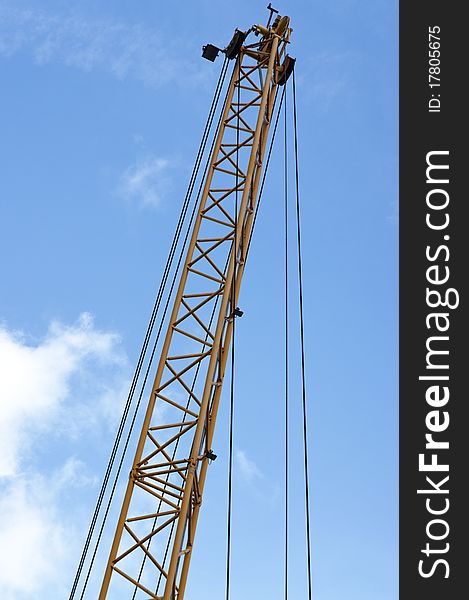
(433, 269)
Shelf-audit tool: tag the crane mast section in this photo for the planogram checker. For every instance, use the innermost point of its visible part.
(159, 514)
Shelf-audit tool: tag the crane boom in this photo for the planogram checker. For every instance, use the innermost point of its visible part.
(174, 448)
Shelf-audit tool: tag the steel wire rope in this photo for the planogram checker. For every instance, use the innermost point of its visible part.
(286, 334)
(149, 331)
(233, 327)
(302, 342)
(269, 154)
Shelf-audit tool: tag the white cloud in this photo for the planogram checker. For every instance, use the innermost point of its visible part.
(102, 44)
(248, 469)
(31, 540)
(44, 386)
(35, 381)
(74, 473)
(35, 532)
(147, 181)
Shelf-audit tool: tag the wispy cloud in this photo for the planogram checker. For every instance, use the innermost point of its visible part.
(36, 381)
(29, 526)
(324, 77)
(44, 385)
(35, 531)
(248, 469)
(100, 44)
(147, 181)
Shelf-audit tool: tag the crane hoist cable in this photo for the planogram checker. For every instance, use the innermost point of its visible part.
(150, 327)
(286, 334)
(233, 362)
(232, 381)
(302, 342)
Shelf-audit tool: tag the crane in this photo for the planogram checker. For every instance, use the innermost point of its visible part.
(163, 498)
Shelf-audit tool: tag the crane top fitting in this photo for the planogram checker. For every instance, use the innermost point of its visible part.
(280, 28)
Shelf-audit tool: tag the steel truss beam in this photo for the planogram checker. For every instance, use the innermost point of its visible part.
(170, 464)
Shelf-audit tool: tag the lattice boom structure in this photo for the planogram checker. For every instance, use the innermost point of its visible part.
(160, 509)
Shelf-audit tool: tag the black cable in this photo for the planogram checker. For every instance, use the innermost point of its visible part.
(285, 175)
(302, 343)
(148, 334)
(232, 382)
(230, 465)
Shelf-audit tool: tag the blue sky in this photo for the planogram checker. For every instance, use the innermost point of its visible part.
(101, 111)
